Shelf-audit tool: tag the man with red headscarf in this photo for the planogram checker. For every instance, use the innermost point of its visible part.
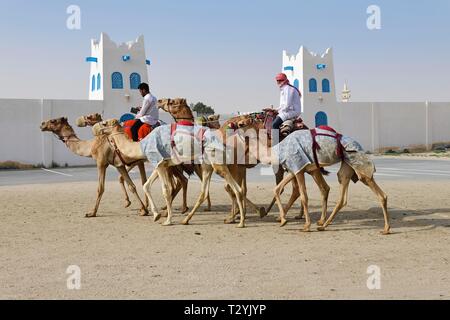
(290, 101)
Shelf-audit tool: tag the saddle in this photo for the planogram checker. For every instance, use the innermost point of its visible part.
(144, 130)
(333, 134)
(173, 129)
(286, 128)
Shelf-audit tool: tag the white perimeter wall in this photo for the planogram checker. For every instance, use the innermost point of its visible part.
(377, 126)
(380, 126)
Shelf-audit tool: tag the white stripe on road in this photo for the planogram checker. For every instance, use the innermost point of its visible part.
(56, 172)
(416, 170)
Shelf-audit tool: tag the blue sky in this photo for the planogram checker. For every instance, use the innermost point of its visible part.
(226, 53)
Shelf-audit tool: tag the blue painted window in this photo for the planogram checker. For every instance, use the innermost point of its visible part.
(312, 85)
(91, 59)
(325, 85)
(117, 80)
(148, 62)
(321, 119)
(93, 83)
(321, 66)
(99, 82)
(289, 68)
(126, 58)
(135, 81)
(296, 83)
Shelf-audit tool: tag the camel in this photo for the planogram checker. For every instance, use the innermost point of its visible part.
(181, 181)
(133, 151)
(292, 154)
(100, 151)
(181, 112)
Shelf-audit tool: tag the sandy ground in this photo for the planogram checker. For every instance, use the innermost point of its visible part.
(122, 255)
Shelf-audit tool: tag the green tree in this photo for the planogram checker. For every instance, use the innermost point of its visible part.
(202, 108)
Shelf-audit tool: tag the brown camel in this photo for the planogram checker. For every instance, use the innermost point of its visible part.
(97, 149)
(132, 151)
(180, 111)
(346, 174)
(176, 172)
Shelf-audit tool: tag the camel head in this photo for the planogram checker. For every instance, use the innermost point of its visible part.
(213, 121)
(89, 121)
(178, 108)
(55, 125)
(106, 127)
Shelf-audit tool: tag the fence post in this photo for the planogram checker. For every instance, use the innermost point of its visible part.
(47, 142)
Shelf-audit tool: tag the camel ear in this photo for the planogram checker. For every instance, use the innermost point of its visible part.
(64, 119)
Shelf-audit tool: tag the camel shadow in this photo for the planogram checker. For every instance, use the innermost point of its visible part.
(399, 218)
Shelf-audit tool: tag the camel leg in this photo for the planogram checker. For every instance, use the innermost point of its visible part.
(304, 199)
(207, 172)
(344, 177)
(198, 172)
(278, 178)
(382, 197)
(147, 190)
(278, 191)
(232, 217)
(124, 190)
(123, 171)
(143, 175)
(208, 208)
(324, 190)
(182, 184)
(237, 191)
(100, 189)
(163, 173)
(294, 196)
(261, 211)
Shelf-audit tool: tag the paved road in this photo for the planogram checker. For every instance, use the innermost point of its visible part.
(387, 169)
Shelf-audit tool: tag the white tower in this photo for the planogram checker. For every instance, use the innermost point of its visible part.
(314, 76)
(116, 72)
(346, 93)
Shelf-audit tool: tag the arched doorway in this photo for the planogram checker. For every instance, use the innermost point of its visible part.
(321, 119)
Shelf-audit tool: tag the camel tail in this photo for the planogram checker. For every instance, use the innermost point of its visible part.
(324, 172)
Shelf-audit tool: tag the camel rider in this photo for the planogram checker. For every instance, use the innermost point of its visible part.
(290, 102)
(148, 113)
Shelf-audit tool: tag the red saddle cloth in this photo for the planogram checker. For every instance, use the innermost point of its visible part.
(144, 130)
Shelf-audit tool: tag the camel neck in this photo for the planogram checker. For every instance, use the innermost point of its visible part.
(130, 149)
(79, 147)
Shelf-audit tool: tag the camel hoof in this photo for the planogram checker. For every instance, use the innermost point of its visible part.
(262, 212)
(386, 232)
(184, 210)
(127, 203)
(241, 225)
(283, 222)
(156, 217)
(143, 212)
(90, 215)
(185, 222)
(321, 228)
(167, 223)
(229, 221)
(278, 219)
(164, 208)
(306, 229)
(320, 223)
